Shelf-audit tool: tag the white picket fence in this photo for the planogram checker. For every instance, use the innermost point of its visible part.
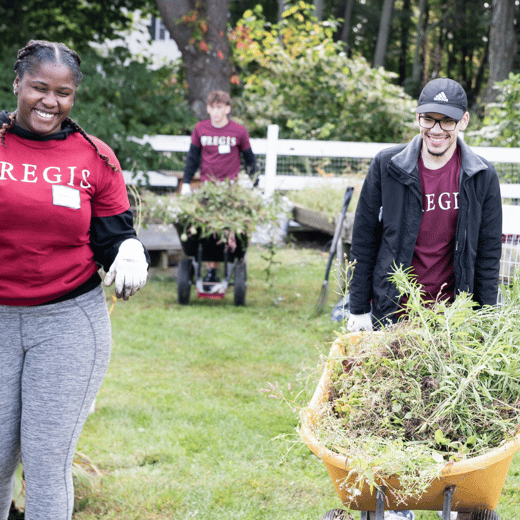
(272, 148)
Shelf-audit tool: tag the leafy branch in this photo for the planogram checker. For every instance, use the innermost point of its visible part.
(225, 209)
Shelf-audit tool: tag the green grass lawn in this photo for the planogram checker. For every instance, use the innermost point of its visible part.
(182, 429)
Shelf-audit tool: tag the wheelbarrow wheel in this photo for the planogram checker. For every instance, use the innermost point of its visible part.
(336, 514)
(184, 276)
(484, 514)
(239, 289)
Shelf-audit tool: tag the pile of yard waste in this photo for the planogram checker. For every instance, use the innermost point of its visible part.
(440, 387)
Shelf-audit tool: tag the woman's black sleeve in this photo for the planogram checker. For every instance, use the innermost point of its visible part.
(250, 160)
(107, 234)
(192, 163)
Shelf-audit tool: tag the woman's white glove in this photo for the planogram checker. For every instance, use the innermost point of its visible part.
(358, 322)
(185, 189)
(129, 269)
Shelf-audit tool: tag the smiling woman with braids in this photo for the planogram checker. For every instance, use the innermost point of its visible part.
(64, 212)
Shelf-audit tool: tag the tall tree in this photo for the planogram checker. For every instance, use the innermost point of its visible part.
(318, 9)
(420, 38)
(281, 9)
(347, 23)
(76, 22)
(384, 31)
(405, 15)
(199, 27)
(502, 44)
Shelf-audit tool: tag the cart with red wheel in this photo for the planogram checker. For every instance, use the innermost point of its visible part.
(199, 249)
(470, 487)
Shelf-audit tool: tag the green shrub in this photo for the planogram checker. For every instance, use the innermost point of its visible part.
(297, 76)
(121, 98)
(501, 123)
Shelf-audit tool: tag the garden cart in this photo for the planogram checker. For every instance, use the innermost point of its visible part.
(472, 487)
(198, 250)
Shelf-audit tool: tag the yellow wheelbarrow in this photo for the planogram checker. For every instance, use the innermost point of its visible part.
(471, 487)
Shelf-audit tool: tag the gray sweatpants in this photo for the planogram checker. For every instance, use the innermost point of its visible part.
(53, 359)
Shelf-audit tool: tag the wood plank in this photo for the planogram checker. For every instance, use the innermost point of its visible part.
(299, 182)
(509, 261)
(160, 238)
(313, 219)
(151, 178)
(510, 191)
(178, 174)
(318, 221)
(510, 220)
(301, 147)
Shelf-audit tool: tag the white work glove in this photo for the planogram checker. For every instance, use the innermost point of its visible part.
(129, 269)
(357, 322)
(185, 189)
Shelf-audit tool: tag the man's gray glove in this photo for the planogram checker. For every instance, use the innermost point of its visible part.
(129, 269)
(357, 322)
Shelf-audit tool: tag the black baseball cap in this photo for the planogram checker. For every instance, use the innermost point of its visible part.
(443, 96)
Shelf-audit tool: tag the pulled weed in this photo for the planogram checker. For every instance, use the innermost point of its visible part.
(440, 387)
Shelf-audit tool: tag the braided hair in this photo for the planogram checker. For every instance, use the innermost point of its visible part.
(37, 52)
(30, 58)
(7, 126)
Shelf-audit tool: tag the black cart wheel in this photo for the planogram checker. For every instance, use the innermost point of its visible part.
(184, 277)
(336, 514)
(239, 290)
(484, 514)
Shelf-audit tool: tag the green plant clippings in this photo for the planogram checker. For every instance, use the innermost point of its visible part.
(439, 387)
(225, 209)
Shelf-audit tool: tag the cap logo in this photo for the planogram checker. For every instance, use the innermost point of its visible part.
(441, 97)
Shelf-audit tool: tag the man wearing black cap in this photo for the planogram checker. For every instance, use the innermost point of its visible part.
(432, 205)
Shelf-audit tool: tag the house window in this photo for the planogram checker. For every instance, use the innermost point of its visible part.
(158, 30)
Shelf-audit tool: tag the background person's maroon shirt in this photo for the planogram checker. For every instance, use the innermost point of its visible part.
(220, 149)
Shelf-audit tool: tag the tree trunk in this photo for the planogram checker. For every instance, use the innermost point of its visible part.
(384, 31)
(475, 90)
(318, 9)
(281, 9)
(419, 43)
(345, 31)
(502, 44)
(406, 14)
(199, 28)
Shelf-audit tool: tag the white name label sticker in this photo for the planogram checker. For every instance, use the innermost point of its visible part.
(224, 148)
(65, 196)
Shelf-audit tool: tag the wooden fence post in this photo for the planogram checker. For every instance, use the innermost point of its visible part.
(270, 159)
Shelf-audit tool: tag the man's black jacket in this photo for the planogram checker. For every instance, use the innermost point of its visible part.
(387, 221)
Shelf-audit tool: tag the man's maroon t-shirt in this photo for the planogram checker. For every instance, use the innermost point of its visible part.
(433, 259)
(220, 149)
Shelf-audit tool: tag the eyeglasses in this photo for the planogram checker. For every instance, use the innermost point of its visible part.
(448, 125)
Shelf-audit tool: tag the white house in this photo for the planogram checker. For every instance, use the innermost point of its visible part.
(147, 37)
(162, 45)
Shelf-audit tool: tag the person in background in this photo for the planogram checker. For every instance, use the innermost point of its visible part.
(64, 212)
(432, 205)
(216, 145)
